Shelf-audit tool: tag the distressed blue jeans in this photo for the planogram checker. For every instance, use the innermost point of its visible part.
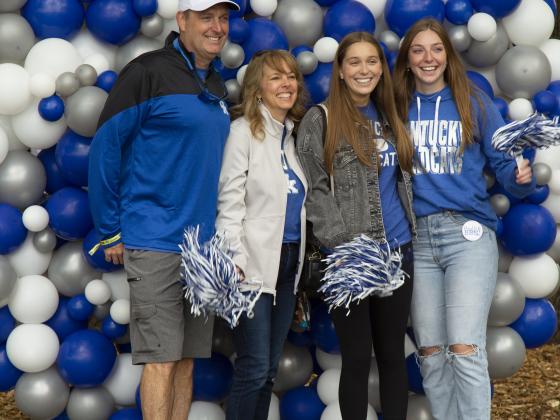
(454, 281)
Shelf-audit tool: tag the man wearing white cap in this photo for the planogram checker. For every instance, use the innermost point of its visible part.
(154, 168)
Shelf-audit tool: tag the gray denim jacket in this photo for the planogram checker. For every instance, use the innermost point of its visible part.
(356, 205)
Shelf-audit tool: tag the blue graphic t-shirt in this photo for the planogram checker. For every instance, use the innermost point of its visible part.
(392, 209)
(292, 224)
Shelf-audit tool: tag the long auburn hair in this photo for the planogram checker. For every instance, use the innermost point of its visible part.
(277, 60)
(454, 75)
(346, 116)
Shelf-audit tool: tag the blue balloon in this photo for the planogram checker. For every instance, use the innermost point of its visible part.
(552, 4)
(325, 2)
(7, 323)
(318, 82)
(212, 378)
(347, 16)
(54, 19)
(12, 230)
(55, 179)
(72, 157)
(9, 374)
(414, 376)
(502, 106)
(69, 213)
(392, 59)
(126, 414)
(244, 8)
(554, 87)
(302, 403)
(113, 21)
(539, 195)
(299, 49)
(528, 229)
(51, 108)
(62, 323)
(499, 228)
(224, 71)
(97, 260)
(400, 15)
(112, 329)
(496, 8)
(537, 324)
(106, 80)
(86, 358)
(137, 398)
(79, 308)
(458, 12)
(264, 34)
(545, 101)
(238, 30)
(62, 416)
(145, 7)
(482, 82)
(124, 348)
(322, 330)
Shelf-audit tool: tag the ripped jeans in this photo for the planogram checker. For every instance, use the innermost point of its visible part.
(454, 281)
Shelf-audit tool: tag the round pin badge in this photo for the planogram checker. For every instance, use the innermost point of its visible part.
(472, 230)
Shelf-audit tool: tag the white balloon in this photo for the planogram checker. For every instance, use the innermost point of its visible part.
(332, 412)
(123, 380)
(520, 108)
(241, 74)
(552, 203)
(34, 299)
(32, 347)
(550, 156)
(89, 48)
(204, 410)
(120, 311)
(42, 85)
(52, 56)
(264, 7)
(13, 141)
(4, 145)
(15, 94)
(35, 132)
(551, 48)
(327, 360)
(97, 292)
(536, 274)
(377, 7)
(554, 250)
(116, 280)
(168, 26)
(481, 26)
(554, 183)
(531, 23)
(327, 386)
(325, 49)
(167, 8)
(35, 218)
(274, 408)
(27, 259)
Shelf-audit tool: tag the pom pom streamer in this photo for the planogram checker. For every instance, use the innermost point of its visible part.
(358, 269)
(211, 280)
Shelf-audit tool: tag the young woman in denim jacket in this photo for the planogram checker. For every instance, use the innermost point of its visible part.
(455, 255)
(368, 153)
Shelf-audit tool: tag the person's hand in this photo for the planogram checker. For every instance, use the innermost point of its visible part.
(114, 254)
(523, 173)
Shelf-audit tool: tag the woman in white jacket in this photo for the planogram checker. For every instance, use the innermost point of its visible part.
(260, 208)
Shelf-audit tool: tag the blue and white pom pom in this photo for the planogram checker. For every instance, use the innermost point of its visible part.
(358, 269)
(535, 132)
(211, 280)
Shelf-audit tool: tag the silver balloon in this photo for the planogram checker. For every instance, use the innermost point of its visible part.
(488, 53)
(232, 55)
(307, 62)
(233, 90)
(11, 5)
(490, 180)
(90, 404)
(42, 395)
(87, 75)
(508, 302)
(500, 203)
(222, 340)
(83, 109)
(22, 179)
(542, 173)
(460, 37)
(67, 84)
(523, 71)
(101, 311)
(390, 39)
(8, 278)
(294, 369)
(69, 270)
(504, 259)
(152, 26)
(44, 241)
(506, 352)
(301, 21)
(418, 408)
(16, 38)
(129, 51)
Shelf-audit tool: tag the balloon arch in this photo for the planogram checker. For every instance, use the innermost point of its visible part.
(59, 58)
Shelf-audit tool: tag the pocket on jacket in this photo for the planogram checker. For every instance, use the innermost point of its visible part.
(345, 168)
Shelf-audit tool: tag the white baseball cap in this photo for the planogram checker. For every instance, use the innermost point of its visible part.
(200, 5)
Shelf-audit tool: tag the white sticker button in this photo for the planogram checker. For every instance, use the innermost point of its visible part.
(472, 230)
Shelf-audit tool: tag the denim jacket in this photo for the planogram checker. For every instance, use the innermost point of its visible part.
(355, 207)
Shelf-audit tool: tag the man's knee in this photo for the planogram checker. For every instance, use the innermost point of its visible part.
(164, 370)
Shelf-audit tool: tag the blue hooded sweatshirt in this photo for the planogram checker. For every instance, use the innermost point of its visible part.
(443, 179)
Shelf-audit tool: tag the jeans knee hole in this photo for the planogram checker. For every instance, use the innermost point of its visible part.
(472, 350)
(426, 352)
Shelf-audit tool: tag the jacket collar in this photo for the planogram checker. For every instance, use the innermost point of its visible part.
(273, 127)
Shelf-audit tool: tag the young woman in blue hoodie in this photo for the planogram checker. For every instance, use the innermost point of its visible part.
(455, 253)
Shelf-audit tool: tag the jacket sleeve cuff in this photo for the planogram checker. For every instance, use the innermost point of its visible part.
(106, 243)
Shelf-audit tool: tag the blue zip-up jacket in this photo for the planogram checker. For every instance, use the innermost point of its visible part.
(155, 159)
(443, 179)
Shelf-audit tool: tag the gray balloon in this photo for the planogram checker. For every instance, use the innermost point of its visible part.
(506, 352)
(460, 37)
(542, 173)
(490, 180)
(307, 62)
(87, 75)
(152, 26)
(233, 90)
(101, 311)
(294, 369)
(83, 109)
(22, 179)
(488, 53)
(67, 84)
(500, 203)
(504, 259)
(90, 404)
(42, 395)
(69, 270)
(418, 408)
(11, 5)
(8, 278)
(222, 340)
(523, 71)
(232, 55)
(390, 39)
(44, 241)
(16, 38)
(129, 51)
(508, 302)
(301, 21)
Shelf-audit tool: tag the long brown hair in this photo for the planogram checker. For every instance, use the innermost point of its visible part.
(249, 106)
(346, 115)
(454, 75)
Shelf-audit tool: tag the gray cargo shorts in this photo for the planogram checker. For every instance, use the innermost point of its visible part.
(162, 328)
